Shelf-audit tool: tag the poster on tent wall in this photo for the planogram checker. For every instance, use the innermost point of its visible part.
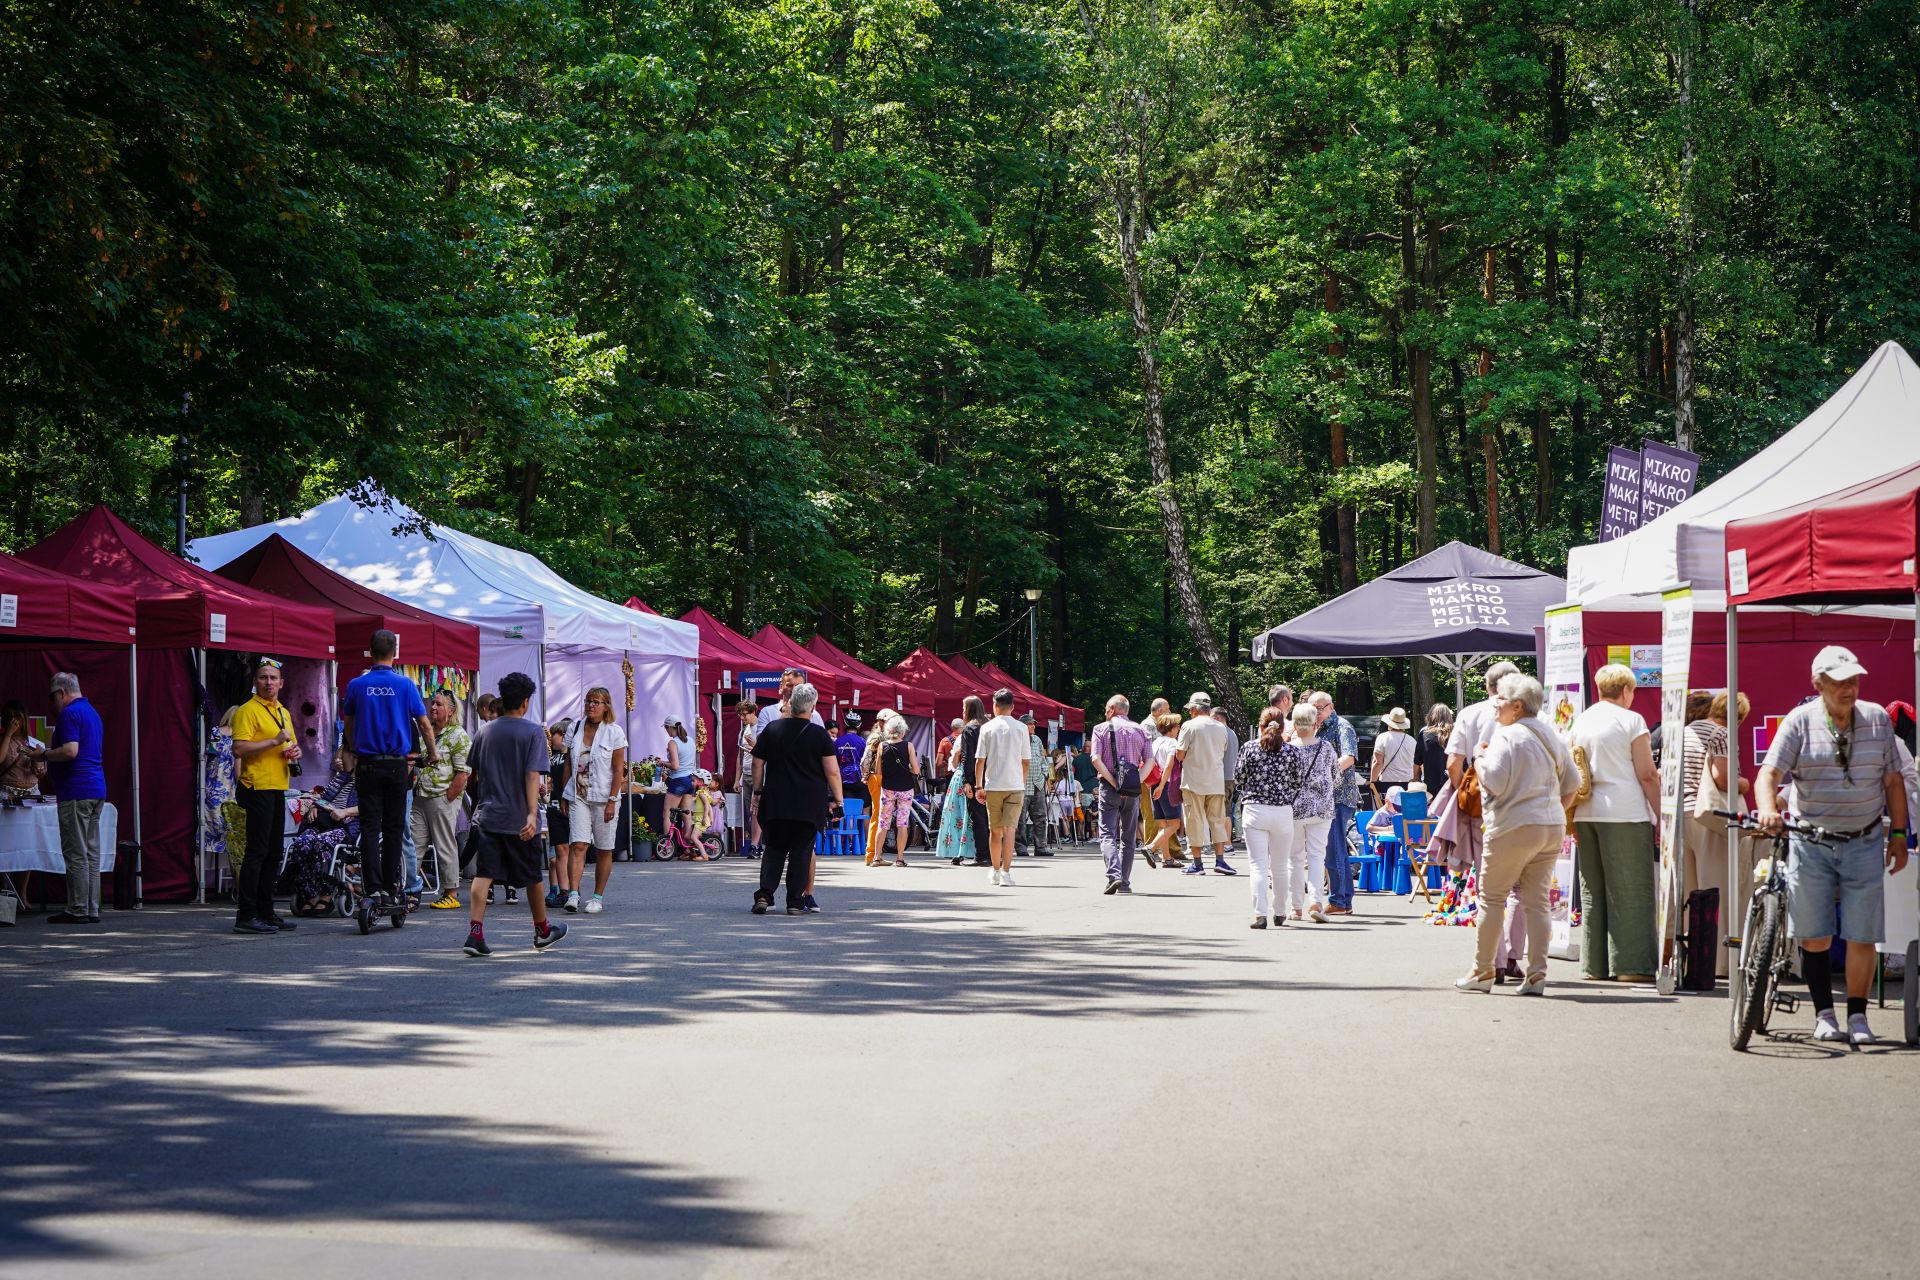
(1676, 640)
(1563, 670)
(1620, 514)
(1667, 477)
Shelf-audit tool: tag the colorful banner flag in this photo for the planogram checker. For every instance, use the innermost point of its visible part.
(1667, 478)
(1621, 515)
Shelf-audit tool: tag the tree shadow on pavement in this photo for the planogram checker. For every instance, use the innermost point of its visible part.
(106, 1047)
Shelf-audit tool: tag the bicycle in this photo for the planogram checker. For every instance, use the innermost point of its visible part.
(676, 844)
(1764, 950)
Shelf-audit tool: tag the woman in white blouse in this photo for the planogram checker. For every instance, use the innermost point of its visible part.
(1393, 753)
(1526, 779)
(598, 753)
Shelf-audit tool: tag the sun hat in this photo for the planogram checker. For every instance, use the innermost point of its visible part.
(1397, 719)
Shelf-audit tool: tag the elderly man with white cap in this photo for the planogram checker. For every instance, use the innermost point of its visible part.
(1839, 753)
(1203, 785)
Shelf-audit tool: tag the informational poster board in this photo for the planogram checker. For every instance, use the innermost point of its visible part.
(1563, 906)
(1564, 670)
(1676, 639)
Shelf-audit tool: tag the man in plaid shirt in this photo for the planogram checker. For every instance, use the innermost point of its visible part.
(1031, 835)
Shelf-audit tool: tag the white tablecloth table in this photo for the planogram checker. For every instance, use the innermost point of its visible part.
(30, 838)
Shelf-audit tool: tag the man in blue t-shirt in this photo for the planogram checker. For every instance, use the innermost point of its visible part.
(381, 710)
(77, 778)
(848, 748)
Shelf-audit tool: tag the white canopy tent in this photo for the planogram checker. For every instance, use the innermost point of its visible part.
(1868, 427)
(530, 618)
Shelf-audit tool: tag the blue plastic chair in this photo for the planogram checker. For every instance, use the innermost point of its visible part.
(1368, 860)
(847, 837)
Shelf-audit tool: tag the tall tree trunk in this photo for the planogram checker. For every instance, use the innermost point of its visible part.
(1060, 665)
(1489, 435)
(1685, 46)
(1426, 432)
(1342, 512)
(942, 636)
(969, 600)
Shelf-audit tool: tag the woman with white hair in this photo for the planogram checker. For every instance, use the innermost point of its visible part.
(1614, 829)
(897, 768)
(1526, 780)
(1312, 815)
(796, 781)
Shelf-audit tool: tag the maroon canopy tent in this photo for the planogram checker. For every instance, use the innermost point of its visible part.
(875, 684)
(1857, 546)
(1072, 719)
(985, 682)
(49, 605)
(278, 567)
(178, 608)
(836, 687)
(725, 653)
(924, 670)
(635, 602)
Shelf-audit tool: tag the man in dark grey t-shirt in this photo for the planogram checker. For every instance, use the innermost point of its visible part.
(509, 759)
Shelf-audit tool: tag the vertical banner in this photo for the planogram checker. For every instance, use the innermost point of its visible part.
(1564, 671)
(1667, 477)
(1676, 643)
(1621, 514)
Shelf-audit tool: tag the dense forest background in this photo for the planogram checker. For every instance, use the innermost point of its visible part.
(864, 316)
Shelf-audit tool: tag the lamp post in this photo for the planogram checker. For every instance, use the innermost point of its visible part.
(1033, 636)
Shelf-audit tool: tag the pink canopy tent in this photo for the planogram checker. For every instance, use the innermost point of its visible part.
(725, 655)
(1072, 719)
(181, 611)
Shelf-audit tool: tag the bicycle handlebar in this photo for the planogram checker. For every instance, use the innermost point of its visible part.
(1747, 822)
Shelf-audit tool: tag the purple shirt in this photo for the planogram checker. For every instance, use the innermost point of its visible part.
(1119, 741)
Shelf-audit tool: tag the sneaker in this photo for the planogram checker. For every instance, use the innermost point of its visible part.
(513, 896)
(1279, 922)
(555, 897)
(280, 923)
(1220, 867)
(812, 907)
(1124, 888)
(445, 902)
(1858, 1032)
(1475, 982)
(65, 917)
(595, 906)
(1259, 922)
(1339, 911)
(1006, 879)
(796, 911)
(761, 904)
(1315, 914)
(573, 900)
(242, 926)
(1827, 1027)
(477, 946)
(554, 933)
(1113, 886)
(993, 877)
(1196, 868)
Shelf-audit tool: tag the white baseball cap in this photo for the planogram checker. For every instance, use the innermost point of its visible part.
(1837, 663)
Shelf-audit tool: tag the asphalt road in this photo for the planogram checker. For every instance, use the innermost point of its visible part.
(934, 1077)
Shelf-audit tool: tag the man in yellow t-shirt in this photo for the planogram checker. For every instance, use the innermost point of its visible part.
(263, 749)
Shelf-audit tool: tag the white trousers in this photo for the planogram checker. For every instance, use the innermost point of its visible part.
(1309, 862)
(1269, 831)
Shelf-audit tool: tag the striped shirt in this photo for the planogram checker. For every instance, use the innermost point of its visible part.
(1806, 749)
(1702, 741)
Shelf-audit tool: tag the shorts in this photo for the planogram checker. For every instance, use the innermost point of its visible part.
(1207, 819)
(1166, 805)
(508, 860)
(557, 826)
(681, 785)
(1003, 808)
(1851, 873)
(587, 823)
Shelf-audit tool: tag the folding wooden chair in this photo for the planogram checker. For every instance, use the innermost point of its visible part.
(1414, 835)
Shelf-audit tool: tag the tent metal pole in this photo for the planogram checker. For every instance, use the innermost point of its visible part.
(200, 780)
(1736, 919)
(139, 867)
(1459, 682)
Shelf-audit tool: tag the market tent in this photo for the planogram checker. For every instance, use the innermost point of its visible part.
(1072, 719)
(836, 687)
(635, 602)
(907, 699)
(1870, 426)
(181, 605)
(1456, 605)
(924, 669)
(530, 619)
(181, 611)
(1854, 546)
(42, 605)
(725, 654)
(277, 566)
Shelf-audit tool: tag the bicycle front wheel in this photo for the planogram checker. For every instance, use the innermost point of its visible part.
(1753, 980)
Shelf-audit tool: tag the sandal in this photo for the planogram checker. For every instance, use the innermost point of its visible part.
(898, 862)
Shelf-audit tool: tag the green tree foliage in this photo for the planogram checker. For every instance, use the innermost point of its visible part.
(816, 313)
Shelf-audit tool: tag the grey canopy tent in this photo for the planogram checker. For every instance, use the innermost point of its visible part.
(1457, 605)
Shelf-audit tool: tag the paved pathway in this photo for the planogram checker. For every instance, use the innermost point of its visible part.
(933, 1078)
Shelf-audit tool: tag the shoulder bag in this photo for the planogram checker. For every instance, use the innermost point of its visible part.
(1126, 774)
